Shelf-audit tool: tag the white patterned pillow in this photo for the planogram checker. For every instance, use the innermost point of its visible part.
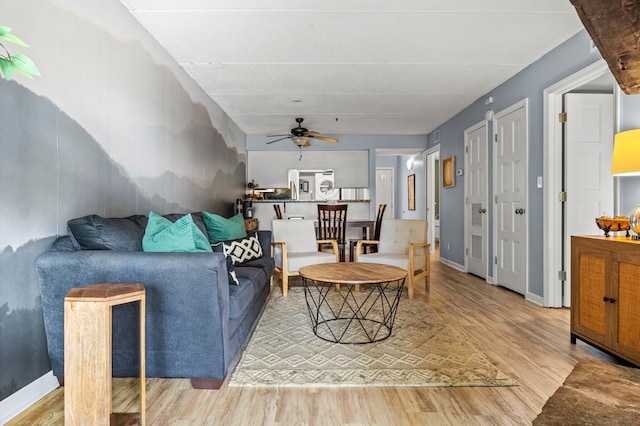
(243, 250)
(233, 279)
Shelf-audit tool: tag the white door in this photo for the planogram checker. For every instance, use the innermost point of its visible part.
(510, 197)
(476, 205)
(385, 190)
(588, 182)
(433, 198)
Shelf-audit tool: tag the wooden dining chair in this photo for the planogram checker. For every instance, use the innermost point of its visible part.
(332, 225)
(369, 248)
(276, 207)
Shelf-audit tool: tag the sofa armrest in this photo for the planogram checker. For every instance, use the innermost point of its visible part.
(187, 308)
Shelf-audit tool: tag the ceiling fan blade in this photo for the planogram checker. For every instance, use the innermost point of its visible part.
(276, 140)
(323, 138)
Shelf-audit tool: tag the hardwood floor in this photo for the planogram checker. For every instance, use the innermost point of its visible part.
(527, 342)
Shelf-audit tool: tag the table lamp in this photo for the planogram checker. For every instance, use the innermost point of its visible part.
(626, 162)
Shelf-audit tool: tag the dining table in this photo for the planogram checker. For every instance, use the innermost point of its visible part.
(366, 225)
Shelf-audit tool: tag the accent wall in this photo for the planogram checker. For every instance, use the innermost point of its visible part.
(112, 127)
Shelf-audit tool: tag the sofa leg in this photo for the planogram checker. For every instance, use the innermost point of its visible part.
(60, 379)
(206, 383)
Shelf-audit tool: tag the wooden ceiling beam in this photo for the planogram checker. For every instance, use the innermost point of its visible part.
(614, 27)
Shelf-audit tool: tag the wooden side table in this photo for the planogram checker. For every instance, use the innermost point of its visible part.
(87, 353)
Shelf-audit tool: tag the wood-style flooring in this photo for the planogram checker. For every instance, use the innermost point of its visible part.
(527, 342)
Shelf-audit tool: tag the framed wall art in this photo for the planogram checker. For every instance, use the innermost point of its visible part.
(449, 172)
(411, 182)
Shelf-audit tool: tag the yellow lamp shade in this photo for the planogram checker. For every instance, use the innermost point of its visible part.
(626, 154)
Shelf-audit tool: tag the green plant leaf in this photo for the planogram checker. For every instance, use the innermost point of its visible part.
(4, 53)
(14, 39)
(7, 68)
(4, 30)
(25, 65)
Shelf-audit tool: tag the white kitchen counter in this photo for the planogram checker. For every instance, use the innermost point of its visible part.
(264, 212)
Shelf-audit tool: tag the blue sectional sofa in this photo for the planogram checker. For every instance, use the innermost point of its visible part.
(197, 323)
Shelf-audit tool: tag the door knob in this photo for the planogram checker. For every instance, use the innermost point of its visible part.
(520, 211)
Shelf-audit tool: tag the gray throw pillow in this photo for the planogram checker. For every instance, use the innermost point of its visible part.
(94, 232)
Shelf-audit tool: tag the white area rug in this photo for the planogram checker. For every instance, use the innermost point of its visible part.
(423, 350)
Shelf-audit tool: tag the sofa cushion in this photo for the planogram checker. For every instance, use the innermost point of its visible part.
(242, 250)
(94, 232)
(233, 279)
(264, 264)
(243, 295)
(221, 229)
(161, 235)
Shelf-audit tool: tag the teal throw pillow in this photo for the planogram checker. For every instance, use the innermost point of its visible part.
(221, 229)
(183, 235)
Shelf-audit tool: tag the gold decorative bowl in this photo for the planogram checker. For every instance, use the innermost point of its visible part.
(613, 224)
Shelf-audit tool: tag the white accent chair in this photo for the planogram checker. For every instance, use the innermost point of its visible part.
(403, 243)
(294, 246)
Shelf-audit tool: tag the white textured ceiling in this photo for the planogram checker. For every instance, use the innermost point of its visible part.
(378, 66)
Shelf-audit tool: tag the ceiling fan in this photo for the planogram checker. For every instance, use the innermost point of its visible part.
(300, 136)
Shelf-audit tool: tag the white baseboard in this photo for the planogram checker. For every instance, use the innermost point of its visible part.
(27, 396)
(454, 265)
(534, 298)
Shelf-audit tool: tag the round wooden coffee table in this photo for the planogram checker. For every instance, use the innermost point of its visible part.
(345, 314)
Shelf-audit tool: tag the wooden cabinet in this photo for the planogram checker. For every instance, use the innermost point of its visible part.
(605, 294)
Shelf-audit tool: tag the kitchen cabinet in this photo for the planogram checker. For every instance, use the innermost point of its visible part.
(605, 294)
(269, 168)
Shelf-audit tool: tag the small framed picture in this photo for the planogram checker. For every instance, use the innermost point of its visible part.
(449, 172)
(411, 181)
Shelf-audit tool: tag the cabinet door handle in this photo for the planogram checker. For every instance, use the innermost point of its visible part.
(605, 299)
(610, 300)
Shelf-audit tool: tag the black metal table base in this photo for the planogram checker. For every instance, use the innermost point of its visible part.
(350, 316)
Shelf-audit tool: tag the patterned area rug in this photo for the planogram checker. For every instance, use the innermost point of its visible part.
(423, 350)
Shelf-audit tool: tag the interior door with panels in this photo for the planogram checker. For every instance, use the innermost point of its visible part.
(510, 192)
(587, 167)
(476, 206)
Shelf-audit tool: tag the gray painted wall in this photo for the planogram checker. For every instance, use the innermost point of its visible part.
(113, 127)
(561, 62)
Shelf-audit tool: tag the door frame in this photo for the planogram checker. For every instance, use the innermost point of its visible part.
(552, 174)
(524, 103)
(430, 189)
(467, 207)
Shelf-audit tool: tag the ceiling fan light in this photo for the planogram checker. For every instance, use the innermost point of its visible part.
(299, 140)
